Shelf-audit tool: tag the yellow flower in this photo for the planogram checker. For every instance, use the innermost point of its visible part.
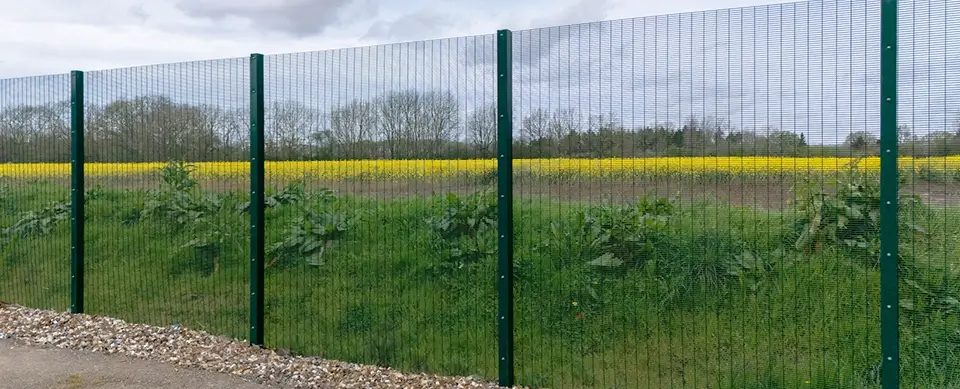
(541, 167)
(574, 303)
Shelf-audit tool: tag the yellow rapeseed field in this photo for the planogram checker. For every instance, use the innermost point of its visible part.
(656, 166)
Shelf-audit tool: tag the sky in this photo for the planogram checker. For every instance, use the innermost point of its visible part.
(807, 66)
(56, 36)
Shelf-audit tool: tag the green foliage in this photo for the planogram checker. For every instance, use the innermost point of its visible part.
(211, 236)
(179, 200)
(611, 237)
(465, 229)
(6, 201)
(177, 175)
(309, 236)
(705, 280)
(849, 217)
(291, 194)
(40, 222)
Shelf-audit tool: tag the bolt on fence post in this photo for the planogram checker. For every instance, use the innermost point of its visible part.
(256, 199)
(505, 204)
(76, 191)
(889, 235)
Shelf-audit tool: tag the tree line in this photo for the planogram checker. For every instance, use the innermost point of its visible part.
(398, 125)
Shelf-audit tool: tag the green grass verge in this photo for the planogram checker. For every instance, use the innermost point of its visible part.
(715, 297)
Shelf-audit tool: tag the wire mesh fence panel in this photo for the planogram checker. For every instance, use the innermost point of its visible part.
(381, 210)
(166, 233)
(35, 191)
(929, 144)
(692, 205)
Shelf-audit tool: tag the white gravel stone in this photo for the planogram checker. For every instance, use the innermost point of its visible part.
(197, 349)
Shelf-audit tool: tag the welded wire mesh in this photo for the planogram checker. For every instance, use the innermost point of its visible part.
(697, 199)
(35, 191)
(669, 209)
(381, 218)
(167, 239)
(929, 145)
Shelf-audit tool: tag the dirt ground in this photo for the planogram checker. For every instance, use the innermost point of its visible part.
(23, 366)
(761, 193)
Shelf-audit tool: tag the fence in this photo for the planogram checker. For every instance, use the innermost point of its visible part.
(688, 200)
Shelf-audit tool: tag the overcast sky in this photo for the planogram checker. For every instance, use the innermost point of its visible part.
(56, 36)
(810, 67)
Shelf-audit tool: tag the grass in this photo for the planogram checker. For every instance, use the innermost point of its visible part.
(719, 297)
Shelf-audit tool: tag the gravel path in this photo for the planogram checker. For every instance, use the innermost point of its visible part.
(198, 350)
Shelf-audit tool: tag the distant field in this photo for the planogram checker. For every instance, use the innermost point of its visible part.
(764, 182)
(558, 167)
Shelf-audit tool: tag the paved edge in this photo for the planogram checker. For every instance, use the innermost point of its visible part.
(26, 365)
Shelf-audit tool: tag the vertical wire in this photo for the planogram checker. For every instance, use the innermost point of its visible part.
(945, 167)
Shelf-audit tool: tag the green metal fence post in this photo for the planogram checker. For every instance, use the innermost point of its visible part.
(76, 191)
(889, 236)
(505, 203)
(256, 199)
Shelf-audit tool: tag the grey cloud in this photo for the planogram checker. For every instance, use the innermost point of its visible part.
(299, 18)
(532, 46)
(138, 12)
(552, 32)
(418, 25)
(581, 11)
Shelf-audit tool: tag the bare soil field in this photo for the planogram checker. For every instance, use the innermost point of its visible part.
(751, 192)
(764, 193)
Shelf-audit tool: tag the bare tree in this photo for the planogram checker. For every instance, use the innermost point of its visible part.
(290, 125)
(442, 118)
(234, 132)
(350, 126)
(536, 126)
(482, 129)
(36, 132)
(414, 124)
(563, 123)
(396, 113)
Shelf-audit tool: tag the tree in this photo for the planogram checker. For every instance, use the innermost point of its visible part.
(350, 126)
(536, 126)
(904, 134)
(860, 140)
(290, 125)
(563, 123)
(781, 142)
(35, 132)
(414, 124)
(535, 133)
(482, 129)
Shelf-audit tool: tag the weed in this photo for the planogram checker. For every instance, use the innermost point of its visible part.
(179, 199)
(40, 222)
(293, 193)
(464, 228)
(311, 235)
(610, 237)
(849, 217)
